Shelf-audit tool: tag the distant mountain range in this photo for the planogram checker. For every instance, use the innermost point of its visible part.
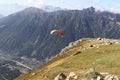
(25, 35)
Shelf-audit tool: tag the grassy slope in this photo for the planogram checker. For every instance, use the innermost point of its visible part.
(104, 59)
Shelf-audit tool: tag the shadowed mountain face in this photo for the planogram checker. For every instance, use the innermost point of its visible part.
(26, 35)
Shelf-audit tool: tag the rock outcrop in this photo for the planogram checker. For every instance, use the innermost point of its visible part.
(92, 74)
(60, 76)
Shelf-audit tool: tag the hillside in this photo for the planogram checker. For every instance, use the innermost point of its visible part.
(25, 40)
(79, 56)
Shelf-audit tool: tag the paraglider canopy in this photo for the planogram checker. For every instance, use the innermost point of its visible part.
(58, 31)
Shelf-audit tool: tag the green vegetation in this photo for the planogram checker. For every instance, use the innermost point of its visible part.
(104, 59)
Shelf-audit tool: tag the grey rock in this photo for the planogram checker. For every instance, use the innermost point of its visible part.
(72, 76)
(111, 77)
(60, 76)
(92, 74)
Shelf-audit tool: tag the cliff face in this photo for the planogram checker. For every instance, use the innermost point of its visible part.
(25, 35)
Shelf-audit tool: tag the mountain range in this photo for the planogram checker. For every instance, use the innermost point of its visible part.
(25, 38)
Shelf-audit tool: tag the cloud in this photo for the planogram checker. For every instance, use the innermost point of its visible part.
(113, 8)
(77, 6)
(96, 4)
(62, 1)
(95, 1)
(35, 3)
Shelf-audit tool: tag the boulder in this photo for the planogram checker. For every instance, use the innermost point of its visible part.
(111, 77)
(92, 74)
(72, 76)
(60, 76)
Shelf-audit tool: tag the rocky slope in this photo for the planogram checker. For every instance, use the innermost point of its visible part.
(25, 38)
(78, 57)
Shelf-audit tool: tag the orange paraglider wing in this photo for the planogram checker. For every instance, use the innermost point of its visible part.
(58, 31)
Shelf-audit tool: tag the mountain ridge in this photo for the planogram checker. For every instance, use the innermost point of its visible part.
(93, 51)
(25, 35)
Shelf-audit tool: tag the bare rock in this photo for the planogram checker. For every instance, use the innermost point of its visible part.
(72, 76)
(92, 74)
(60, 76)
(111, 77)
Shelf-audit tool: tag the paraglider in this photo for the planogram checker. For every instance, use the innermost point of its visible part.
(58, 31)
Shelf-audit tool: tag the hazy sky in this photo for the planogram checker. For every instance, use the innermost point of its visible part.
(11, 6)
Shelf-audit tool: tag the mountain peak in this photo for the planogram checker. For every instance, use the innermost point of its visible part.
(90, 9)
(33, 9)
(49, 8)
(29, 11)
